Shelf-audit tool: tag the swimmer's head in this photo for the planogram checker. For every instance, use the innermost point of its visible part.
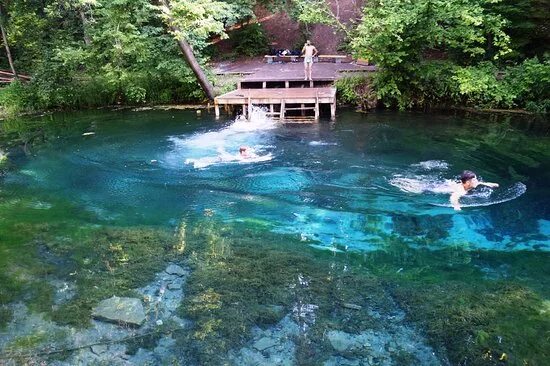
(468, 179)
(467, 175)
(308, 42)
(242, 149)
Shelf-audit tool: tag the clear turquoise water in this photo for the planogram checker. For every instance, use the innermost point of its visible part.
(329, 183)
(343, 189)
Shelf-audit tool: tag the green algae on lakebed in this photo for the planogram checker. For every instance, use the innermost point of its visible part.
(465, 315)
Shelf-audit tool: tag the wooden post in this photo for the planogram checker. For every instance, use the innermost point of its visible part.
(264, 84)
(244, 110)
(303, 112)
(282, 114)
(287, 84)
(333, 110)
(216, 109)
(249, 108)
(271, 109)
(316, 106)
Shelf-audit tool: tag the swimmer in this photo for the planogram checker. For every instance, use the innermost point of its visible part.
(246, 152)
(468, 181)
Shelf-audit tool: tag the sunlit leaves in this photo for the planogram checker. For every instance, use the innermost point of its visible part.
(198, 20)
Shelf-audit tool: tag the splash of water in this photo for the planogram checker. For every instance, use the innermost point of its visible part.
(422, 184)
(432, 165)
(221, 146)
(322, 143)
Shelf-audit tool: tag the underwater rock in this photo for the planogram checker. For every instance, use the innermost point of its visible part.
(342, 361)
(265, 343)
(98, 349)
(273, 346)
(352, 306)
(123, 310)
(342, 341)
(174, 286)
(174, 269)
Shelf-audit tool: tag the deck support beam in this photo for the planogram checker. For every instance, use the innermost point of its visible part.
(217, 109)
(316, 106)
(282, 114)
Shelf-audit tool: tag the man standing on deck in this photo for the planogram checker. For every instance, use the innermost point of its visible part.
(309, 52)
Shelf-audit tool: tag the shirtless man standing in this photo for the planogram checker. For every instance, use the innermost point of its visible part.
(309, 52)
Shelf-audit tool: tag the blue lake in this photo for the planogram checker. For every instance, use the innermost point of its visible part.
(363, 200)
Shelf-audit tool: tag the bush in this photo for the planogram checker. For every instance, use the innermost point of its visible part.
(356, 90)
(530, 82)
(444, 83)
(250, 40)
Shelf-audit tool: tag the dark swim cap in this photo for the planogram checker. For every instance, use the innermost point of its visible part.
(467, 175)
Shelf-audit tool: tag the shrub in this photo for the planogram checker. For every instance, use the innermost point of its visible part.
(250, 40)
(356, 90)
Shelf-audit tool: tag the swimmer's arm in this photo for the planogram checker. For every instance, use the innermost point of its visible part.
(315, 52)
(454, 200)
(487, 184)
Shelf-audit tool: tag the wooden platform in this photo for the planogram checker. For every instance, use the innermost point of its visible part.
(278, 81)
(279, 99)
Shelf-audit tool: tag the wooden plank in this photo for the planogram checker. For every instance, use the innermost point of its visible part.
(300, 109)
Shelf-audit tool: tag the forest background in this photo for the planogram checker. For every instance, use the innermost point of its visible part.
(429, 53)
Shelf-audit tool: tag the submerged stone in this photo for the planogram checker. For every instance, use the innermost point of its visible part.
(122, 310)
(341, 341)
(265, 343)
(174, 269)
(174, 286)
(99, 349)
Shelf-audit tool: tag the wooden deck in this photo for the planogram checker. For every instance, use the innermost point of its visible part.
(279, 99)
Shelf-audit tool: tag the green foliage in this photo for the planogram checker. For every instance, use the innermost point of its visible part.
(356, 90)
(119, 259)
(395, 33)
(83, 53)
(316, 12)
(399, 36)
(530, 82)
(197, 20)
(250, 40)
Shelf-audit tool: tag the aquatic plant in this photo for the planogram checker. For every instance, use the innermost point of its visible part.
(227, 295)
(119, 260)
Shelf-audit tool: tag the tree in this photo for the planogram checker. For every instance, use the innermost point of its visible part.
(192, 23)
(397, 35)
(5, 40)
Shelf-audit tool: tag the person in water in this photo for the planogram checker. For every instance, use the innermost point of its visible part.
(468, 181)
(246, 152)
(309, 52)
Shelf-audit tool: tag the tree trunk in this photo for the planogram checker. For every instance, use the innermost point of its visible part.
(87, 39)
(5, 40)
(190, 57)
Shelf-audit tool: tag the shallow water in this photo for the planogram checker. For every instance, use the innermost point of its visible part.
(349, 188)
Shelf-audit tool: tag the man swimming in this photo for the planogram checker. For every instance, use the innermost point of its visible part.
(309, 51)
(246, 152)
(468, 181)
